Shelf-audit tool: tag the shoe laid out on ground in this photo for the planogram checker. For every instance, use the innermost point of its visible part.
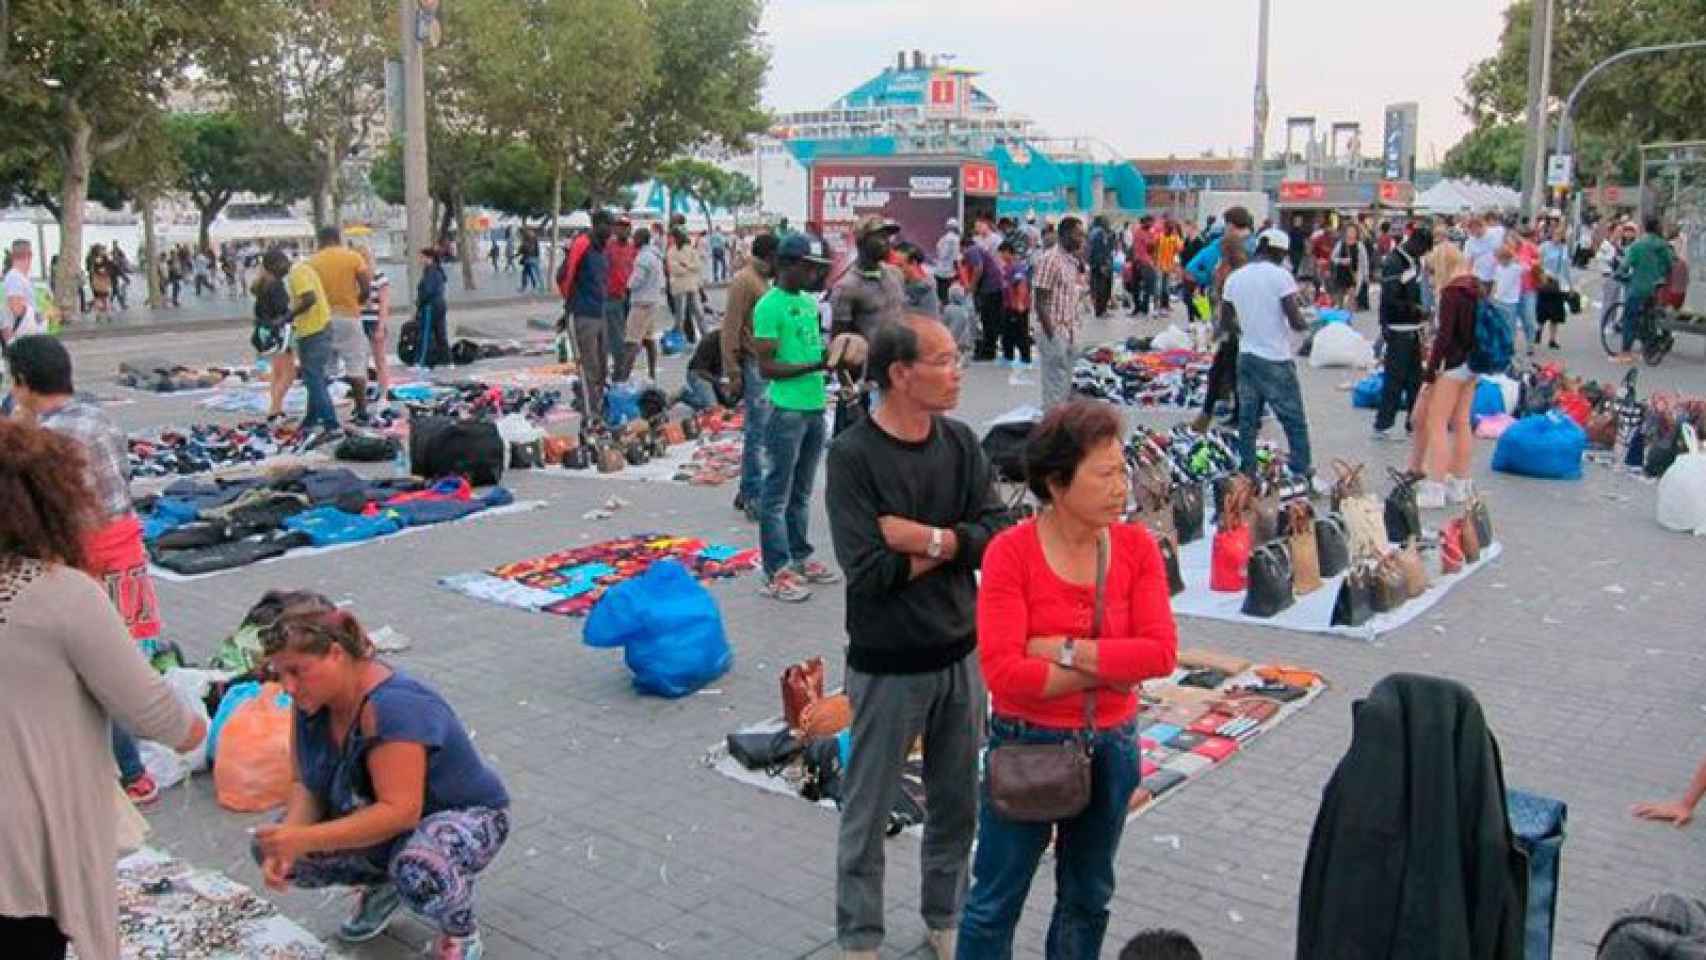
(1319, 487)
(373, 912)
(142, 791)
(814, 572)
(786, 587)
(1430, 495)
(458, 948)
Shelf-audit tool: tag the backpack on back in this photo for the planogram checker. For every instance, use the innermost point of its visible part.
(1495, 341)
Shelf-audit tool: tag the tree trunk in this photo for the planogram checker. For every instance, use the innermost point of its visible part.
(317, 202)
(556, 216)
(150, 256)
(204, 229)
(334, 187)
(464, 243)
(73, 192)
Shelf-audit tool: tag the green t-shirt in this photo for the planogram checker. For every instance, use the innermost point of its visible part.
(1648, 260)
(791, 319)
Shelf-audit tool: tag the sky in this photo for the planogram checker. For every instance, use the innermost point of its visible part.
(1154, 77)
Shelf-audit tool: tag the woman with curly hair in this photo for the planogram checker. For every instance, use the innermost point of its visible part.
(71, 668)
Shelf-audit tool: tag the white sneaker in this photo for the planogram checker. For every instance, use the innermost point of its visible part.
(944, 942)
(1430, 495)
(1459, 489)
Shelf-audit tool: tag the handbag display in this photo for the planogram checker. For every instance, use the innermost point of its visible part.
(1300, 543)
(1170, 559)
(1152, 492)
(1451, 547)
(1188, 512)
(610, 458)
(802, 685)
(1237, 490)
(1265, 510)
(1391, 589)
(1482, 517)
(1269, 577)
(1403, 517)
(689, 427)
(1355, 603)
(768, 751)
(1332, 545)
(1415, 572)
(1469, 538)
(1347, 483)
(1046, 782)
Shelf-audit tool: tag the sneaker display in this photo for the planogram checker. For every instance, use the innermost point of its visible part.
(373, 913)
(458, 948)
(1430, 495)
(786, 587)
(143, 790)
(814, 572)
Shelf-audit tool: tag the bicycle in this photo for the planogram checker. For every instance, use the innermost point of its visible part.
(1652, 330)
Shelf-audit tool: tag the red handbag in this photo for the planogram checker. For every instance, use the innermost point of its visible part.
(1451, 547)
(1575, 406)
(1230, 560)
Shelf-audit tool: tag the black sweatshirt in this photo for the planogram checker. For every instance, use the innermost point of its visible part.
(895, 624)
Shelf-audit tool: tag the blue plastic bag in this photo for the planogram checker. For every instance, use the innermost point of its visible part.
(1334, 315)
(621, 404)
(669, 628)
(673, 342)
(1489, 400)
(1538, 823)
(1547, 445)
(233, 698)
(1366, 394)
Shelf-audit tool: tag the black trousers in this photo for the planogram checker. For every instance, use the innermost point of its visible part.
(32, 938)
(1101, 289)
(1223, 376)
(1403, 377)
(991, 317)
(1016, 335)
(942, 285)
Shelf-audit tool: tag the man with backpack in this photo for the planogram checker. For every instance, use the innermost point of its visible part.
(583, 281)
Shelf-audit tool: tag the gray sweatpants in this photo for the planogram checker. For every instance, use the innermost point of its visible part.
(590, 335)
(889, 710)
(1054, 355)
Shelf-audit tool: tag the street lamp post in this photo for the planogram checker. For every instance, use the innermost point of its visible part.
(1563, 143)
(417, 201)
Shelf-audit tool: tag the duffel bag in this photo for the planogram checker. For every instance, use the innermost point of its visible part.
(442, 446)
(1549, 446)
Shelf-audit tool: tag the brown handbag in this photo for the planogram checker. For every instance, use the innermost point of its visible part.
(611, 458)
(802, 686)
(1152, 496)
(1265, 517)
(1415, 571)
(1048, 782)
(1348, 483)
(1305, 555)
(1602, 428)
(1391, 587)
(1235, 506)
(1471, 539)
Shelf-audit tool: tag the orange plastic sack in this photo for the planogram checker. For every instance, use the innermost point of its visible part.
(252, 771)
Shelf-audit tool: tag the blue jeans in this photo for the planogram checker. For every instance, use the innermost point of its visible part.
(314, 355)
(1008, 853)
(128, 756)
(1266, 383)
(757, 411)
(530, 273)
(1634, 304)
(698, 393)
(1527, 309)
(794, 441)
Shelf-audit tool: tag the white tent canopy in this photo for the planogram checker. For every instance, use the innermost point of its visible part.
(1465, 196)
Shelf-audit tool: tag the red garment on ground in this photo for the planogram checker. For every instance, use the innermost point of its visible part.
(1021, 597)
(118, 561)
(437, 493)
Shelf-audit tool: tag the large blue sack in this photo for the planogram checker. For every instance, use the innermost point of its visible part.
(1489, 401)
(1333, 315)
(1366, 394)
(621, 404)
(669, 628)
(1547, 445)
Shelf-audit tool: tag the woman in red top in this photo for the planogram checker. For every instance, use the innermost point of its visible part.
(1450, 388)
(1041, 661)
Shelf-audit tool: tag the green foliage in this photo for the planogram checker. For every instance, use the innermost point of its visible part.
(220, 155)
(1491, 153)
(386, 174)
(516, 182)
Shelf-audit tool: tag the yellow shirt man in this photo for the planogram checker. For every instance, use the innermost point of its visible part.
(302, 279)
(338, 267)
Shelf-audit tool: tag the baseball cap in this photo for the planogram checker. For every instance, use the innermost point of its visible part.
(1275, 238)
(802, 246)
(874, 224)
(953, 223)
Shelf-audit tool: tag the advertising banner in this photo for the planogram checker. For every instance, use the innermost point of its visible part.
(918, 196)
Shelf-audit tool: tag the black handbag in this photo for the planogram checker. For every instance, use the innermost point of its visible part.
(1482, 517)
(1355, 603)
(442, 447)
(1332, 545)
(362, 447)
(764, 751)
(1170, 558)
(1403, 517)
(1188, 512)
(1269, 575)
(527, 456)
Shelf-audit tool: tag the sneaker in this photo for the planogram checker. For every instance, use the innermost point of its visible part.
(944, 942)
(1003, 362)
(786, 587)
(814, 572)
(447, 947)
(373, 913)
(1430, 495)
(1319, 487)
(1381, 435)
(1459, 489)
(143, 790)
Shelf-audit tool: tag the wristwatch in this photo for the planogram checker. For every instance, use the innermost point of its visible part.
(1067, 650)
(934, 550)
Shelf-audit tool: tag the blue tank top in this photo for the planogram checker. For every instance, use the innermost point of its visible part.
(404, 710)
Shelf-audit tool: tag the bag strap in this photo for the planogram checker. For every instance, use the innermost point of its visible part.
(1096, 628)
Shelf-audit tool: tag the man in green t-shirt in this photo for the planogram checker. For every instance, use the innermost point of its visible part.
(1648, 262)
(787, 333)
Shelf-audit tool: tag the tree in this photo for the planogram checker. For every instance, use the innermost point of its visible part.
(687, 178)
(318, 70)
(517, 182)
(223, 154)
(1491, 153)
(83, 76)
(145, 170)
(735, 192)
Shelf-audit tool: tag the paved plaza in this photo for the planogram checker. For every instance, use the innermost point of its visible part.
(1583, 642)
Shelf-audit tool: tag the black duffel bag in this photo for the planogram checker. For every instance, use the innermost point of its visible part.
(359, 447)
(1004, 445)
(442, 447)
(409, 342)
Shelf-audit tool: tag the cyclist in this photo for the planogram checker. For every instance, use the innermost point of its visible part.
(1647, 264)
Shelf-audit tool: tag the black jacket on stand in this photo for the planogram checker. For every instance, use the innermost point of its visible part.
(1412, 855)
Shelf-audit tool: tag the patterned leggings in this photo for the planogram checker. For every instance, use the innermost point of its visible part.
(433, 867)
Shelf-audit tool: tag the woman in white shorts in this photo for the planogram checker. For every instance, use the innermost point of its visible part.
(376, 320)
(1451, 391)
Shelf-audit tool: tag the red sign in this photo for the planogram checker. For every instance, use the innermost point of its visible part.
(945, 96)
(981, 179)
(1302, 190)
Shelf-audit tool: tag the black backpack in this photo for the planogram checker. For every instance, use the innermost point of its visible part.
(442, 447)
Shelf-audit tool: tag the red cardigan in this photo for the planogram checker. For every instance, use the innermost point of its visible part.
(1021, 597)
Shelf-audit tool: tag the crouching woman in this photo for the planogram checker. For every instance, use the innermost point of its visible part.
(390, 795)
